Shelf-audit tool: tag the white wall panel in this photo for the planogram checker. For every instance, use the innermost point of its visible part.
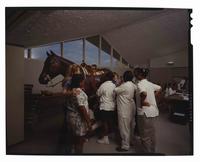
(14, 94)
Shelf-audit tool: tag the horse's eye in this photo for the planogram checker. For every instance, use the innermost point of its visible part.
(53, 61)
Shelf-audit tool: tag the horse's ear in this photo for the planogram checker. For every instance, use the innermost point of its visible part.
(48, 54)
(52, 52)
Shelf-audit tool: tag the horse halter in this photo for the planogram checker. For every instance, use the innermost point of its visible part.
(52, 68)
(49, 79)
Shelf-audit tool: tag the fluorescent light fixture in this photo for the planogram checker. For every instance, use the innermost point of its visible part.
(170, 63)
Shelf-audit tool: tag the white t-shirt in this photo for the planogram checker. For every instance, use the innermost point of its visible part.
(150, 88)
(125, 98)
(107, 96)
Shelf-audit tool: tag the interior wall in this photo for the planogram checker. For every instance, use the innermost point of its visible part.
(14, 94)
(163, 75)
(161, 72)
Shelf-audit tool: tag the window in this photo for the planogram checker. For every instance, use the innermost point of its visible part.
(26, 53)
(39, 53)
(124, 62)
(130, 66)
(105, 54)
(115, 59)
(92, 50)
(73, 51)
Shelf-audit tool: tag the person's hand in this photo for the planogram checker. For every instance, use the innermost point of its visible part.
(76, 92)
(89, 127)
(145, 104)
(67, 92)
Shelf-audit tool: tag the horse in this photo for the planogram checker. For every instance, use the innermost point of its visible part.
(55, 65)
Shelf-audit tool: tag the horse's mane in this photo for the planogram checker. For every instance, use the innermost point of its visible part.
(96, 71)
(64, 59)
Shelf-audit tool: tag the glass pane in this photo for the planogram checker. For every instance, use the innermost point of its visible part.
(116, 54)
(105, 59)
(92, 50)
(105, 53)
(73, 51)
(40, 52)
(124, 62)
(115, 63)
(26, 53)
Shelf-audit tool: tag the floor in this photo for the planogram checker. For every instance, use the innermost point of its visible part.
(172, 139)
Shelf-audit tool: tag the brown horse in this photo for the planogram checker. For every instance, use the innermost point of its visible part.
(55, 65)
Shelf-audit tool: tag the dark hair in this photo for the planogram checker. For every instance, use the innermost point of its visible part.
(109, 76)
(141, 71)
(145, 72)
(76, 80)
(128, 76)
(137, 71)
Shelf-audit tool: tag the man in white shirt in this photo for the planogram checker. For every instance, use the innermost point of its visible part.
(147, 110)
(107, 105)
(169, 91)
(126, 110)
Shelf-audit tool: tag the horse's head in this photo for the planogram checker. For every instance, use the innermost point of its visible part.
(52, 67)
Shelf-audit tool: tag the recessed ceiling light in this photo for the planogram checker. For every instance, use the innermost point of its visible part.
(170, 63)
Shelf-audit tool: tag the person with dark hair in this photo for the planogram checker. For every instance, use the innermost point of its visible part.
(169, 90)
(77, 117)
(107, 105)
(147, 109)
(126, 110)
(116, 79)
(136, 71)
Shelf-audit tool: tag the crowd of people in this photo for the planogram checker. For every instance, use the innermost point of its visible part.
(123, 102)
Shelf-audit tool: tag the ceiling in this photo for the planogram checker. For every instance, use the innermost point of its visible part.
(137, 34)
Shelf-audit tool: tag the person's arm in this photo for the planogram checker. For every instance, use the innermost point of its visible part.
(119, 90)
(70, 92)
(135, 93)
(157, 93)
(143, 96)
(85, 116)
(157, 89)
(99, 91)
(81, 102)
